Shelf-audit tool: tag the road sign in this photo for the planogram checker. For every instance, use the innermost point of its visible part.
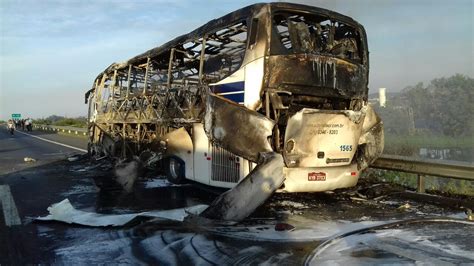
(17, 116)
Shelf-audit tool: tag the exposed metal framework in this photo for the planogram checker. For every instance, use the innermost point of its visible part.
(136, 103)
(133, 103)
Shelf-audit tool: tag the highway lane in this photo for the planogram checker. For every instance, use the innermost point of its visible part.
(24, 187)
(33, 187)
(13, 149)
(28, 188)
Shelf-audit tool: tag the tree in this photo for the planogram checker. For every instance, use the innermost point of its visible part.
(444, 106)
(394, 119)
(454, 107)
(420, 99)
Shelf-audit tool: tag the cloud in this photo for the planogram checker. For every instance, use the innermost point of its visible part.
(62, 19)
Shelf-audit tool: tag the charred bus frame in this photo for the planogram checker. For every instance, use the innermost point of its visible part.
(239, 87)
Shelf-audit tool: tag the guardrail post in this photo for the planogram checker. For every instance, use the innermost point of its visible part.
(421, 184)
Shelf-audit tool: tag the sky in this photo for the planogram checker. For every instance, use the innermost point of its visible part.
(51, 51)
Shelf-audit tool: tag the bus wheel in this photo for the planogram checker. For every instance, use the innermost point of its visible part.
(174, 170)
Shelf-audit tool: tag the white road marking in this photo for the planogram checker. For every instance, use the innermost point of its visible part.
(54, 142)
(10, 212)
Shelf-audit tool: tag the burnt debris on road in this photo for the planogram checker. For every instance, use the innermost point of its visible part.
(287, 229)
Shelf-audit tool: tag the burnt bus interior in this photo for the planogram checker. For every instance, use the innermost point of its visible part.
(316, 36)
(172, 78)
(165, 88)
(313, 34)
(137, 102)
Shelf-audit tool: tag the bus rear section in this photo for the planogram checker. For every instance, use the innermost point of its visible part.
(311, 105)
(316, 78)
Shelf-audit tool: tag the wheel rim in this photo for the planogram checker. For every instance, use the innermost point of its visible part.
(174, 168)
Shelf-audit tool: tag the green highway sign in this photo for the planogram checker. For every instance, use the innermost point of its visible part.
(16, 115)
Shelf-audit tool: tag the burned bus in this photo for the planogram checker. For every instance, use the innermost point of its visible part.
(277, 91)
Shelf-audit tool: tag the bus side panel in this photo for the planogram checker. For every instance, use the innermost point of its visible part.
(202, 157)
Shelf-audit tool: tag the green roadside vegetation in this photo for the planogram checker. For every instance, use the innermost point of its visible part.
(436, 116)
(432, 183)
(443, 107)
(55, 120)
(406, 145)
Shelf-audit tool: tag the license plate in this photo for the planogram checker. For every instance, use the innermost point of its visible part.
(316, 176)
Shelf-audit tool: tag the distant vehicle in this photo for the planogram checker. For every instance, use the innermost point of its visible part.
(278, 78)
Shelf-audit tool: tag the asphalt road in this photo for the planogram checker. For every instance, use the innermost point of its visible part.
(14, 149)
(27, 189)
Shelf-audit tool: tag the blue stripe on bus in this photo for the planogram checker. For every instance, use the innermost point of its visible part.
(238, 98)
(228, 87)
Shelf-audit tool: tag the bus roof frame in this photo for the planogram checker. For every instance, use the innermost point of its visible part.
(240, 14)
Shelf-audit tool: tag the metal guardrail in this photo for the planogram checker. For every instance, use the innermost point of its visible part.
(64, 129)
(422, 167)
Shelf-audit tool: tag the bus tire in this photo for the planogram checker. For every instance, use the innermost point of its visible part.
(174, 168)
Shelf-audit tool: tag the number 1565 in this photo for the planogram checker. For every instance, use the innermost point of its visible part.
(346, 147)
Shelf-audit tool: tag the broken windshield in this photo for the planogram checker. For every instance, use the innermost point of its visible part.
(313, 34)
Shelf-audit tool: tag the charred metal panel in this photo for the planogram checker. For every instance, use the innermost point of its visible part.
(317, 76)
(371, 142)
(239, 130)
(239, 202)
